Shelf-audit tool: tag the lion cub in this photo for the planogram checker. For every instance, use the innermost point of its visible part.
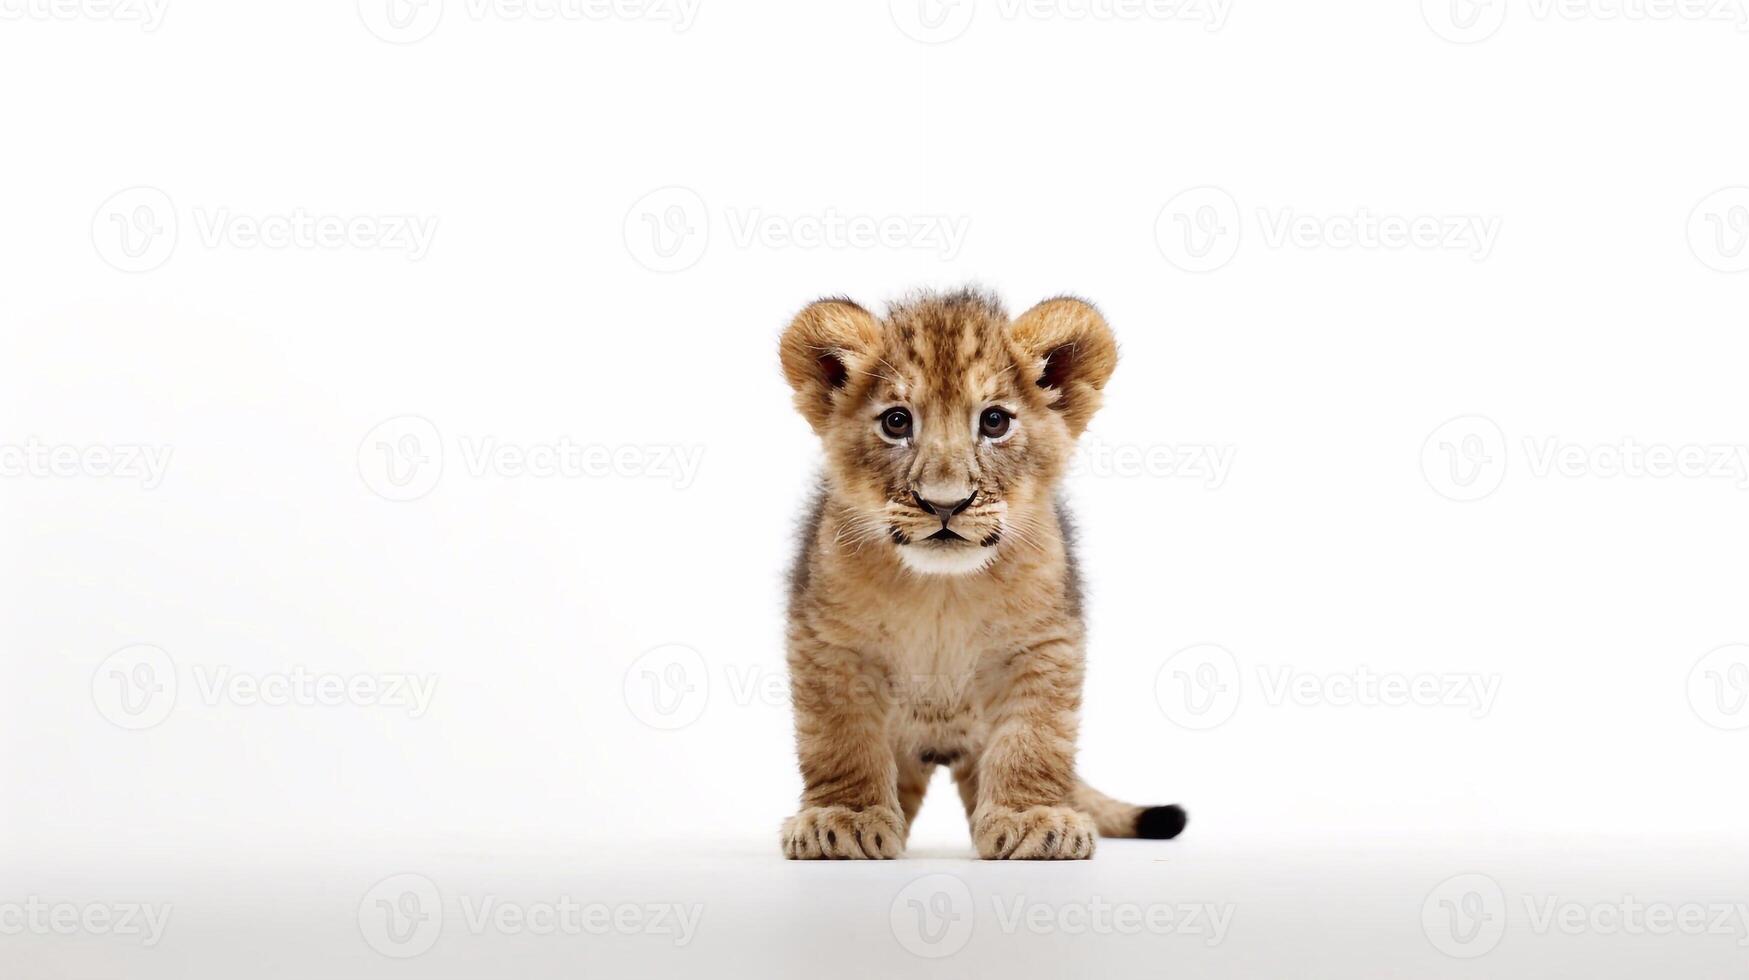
(935, 614)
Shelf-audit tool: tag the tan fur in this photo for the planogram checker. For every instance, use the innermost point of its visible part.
(895, 670)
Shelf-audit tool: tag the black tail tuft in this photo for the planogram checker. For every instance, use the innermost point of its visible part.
(1161, 822)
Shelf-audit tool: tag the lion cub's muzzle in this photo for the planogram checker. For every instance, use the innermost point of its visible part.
(946, 512)
(948, 522)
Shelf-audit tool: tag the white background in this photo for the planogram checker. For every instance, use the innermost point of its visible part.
(623, 211)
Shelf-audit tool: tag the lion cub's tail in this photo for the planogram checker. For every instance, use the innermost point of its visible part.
(1115, 818)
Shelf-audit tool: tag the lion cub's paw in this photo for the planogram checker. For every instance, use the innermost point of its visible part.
(840, 832)
(1041, 833)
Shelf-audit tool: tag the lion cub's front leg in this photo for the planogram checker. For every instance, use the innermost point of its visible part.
(850, 796)
(1027, 770)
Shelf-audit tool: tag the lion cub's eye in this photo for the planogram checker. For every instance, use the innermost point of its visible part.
(994, 423)
(896, 423)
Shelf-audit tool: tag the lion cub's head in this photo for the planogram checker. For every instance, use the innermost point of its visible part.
(946, 425)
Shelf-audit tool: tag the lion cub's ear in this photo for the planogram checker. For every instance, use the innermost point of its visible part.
(823, 348)
(1073, 354)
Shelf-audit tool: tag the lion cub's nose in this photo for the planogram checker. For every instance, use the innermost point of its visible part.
(945, 511)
